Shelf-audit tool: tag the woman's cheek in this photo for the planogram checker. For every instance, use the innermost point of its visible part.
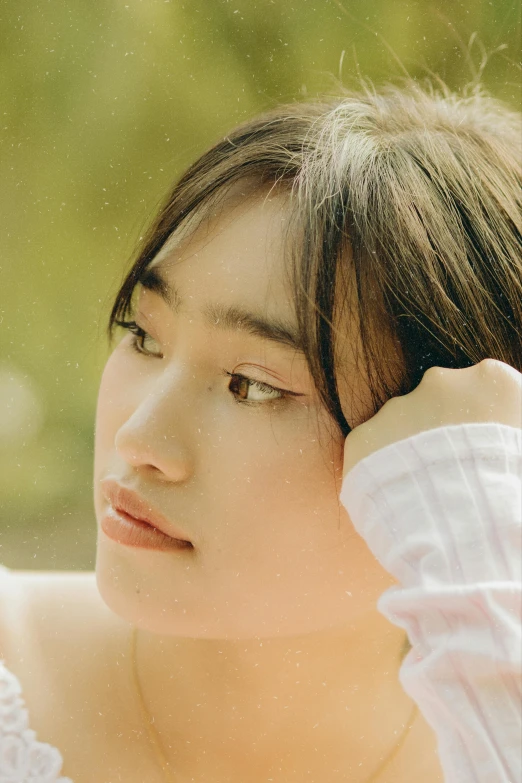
(275, 468)
(109, 395)
(114, 405)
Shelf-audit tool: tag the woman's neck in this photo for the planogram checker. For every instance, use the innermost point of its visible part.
(325, 701)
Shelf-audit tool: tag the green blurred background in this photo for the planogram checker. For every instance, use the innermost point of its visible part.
(103, 104)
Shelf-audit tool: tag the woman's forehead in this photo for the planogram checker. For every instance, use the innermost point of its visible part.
(240, 246)
(229, 273)
(243, 198)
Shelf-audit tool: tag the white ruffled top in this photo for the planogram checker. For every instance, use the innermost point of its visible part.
(23, 759)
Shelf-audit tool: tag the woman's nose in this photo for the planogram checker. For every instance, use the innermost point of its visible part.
(156, 434)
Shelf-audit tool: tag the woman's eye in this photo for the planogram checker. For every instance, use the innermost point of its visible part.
(255, 392)
(246, 390)
(139, 336)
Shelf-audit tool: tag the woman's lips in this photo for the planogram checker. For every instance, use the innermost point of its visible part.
(126, 529)
(130, 503)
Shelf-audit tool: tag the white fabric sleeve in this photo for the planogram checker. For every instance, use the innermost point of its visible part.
(442, 512)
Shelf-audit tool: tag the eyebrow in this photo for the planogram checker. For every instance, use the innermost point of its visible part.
(224, 317)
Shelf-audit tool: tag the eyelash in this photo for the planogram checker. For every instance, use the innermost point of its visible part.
(139, 334)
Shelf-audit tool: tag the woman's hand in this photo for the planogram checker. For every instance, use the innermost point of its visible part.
(487, 391)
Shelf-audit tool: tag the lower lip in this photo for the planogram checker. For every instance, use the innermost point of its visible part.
(124, 529)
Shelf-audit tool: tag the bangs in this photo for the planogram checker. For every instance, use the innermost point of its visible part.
(388, 244)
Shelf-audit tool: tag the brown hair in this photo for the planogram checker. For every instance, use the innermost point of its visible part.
(409, 195)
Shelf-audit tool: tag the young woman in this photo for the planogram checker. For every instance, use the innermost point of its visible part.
(308, 451)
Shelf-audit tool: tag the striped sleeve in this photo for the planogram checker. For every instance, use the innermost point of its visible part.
(442, 512)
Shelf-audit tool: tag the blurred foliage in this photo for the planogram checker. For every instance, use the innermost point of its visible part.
(103, 105)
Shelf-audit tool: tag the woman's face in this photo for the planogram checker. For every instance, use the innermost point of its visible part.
(251, 477)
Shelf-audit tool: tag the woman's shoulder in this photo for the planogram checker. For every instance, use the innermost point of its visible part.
(50, 612)
(61, 642)
(52, 622)
(55, 620)
(33, 758)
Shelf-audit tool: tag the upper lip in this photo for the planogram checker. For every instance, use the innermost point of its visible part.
(124, 499)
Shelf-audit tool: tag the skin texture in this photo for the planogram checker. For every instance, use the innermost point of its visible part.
(262, 648)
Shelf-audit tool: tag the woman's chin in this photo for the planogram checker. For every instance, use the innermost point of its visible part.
(120, 583)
